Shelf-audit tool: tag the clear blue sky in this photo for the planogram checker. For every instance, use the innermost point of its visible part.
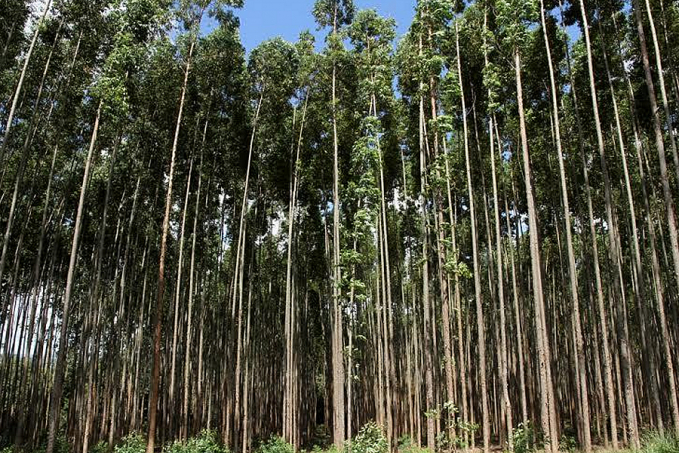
(265, 19)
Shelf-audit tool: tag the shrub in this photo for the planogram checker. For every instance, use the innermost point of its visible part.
(276, 445)
(370, 439)
(61, 445)
(101, 447)
(524, 438)
(568, 443)
(321, 439)
(328, 449)
(133, 443)
(406, 445)
(660, 443)
(206, 442)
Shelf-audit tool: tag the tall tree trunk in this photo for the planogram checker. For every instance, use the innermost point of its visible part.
(544, 356)
(337, 331)
(613, 246)
(477, 267)
(289, 400)
(158, 315)
(60, 367)
(427, 324)
(664, 178)
(177, 297)
(584, 414)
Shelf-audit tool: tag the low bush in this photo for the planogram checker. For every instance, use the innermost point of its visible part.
(132, 443)
(276, 444)
(407, 445)
(568, 443)
(659, 443)
(525, 438)
(370, 439)
(101, 447)
(205, 442)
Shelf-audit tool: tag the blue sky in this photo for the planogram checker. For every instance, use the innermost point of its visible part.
(265, 19)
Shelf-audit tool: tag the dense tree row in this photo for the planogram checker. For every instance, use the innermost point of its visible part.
(463, 232)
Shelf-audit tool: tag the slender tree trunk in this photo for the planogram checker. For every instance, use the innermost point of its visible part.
(32, 129)
(428, 331)
(667, 191)
(158, 315)
(666, 106)
(189, 322)
(60, 367)
(613, 244)
(544, 356)
(584, 414)
(477, 266)
(288, 432)
(337, 336)
(177, 297)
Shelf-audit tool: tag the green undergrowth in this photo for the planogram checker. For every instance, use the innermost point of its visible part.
(134, 443)
(527, 439)
(370, 439)
(276, 444)
(407, 445)
(659, 443)
(205, 442)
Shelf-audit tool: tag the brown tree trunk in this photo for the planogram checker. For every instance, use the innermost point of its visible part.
(158, 315)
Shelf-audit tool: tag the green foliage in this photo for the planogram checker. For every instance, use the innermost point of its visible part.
(61, 445)
(464, 431)
(525, 438)
(407, 445)
(276, 445)
(206, 442)
(659, 443)
(568, 443)
(321, 440)
(514, 18)
(333, 13)
(273, 64)
(370, 439)
(133, 443)
(454, 267)
(101, 447)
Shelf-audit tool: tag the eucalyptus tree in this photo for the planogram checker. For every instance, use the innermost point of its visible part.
(421, 51)
(336, 14)
(372, 37)
(273, 68)
(8, 128)
(478, 290)
(110, 90)
(512, 18)
(305, 73)
(659, 137)
(491, 80)
(611, 218)
(190, 13)
(572, 269)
